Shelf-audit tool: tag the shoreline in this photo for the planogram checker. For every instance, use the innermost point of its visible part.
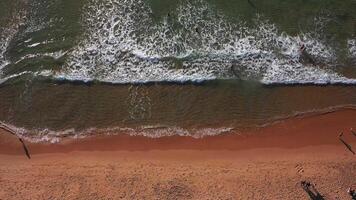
(266, 163)
(295, 132)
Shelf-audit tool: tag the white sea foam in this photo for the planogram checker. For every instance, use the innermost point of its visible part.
(55, 55)
(154, 131)
(352, 47)
(43, 73)
(4, 42)
(123, 44)
(6, 35)
(30, 21)
(34, 44)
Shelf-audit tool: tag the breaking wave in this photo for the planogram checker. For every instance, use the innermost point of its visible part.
(156, 131)
(123, 43)
(7, 33)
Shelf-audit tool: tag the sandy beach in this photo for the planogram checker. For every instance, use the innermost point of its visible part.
(264, 163)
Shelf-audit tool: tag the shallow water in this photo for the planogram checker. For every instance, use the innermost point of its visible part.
(175, 67)
(46, 108)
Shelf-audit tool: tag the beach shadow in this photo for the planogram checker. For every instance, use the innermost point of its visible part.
(311, 191)
(352, 193)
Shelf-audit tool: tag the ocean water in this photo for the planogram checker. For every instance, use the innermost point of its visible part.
(160, 68)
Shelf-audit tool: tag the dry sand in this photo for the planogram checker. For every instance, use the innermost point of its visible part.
(267, 163)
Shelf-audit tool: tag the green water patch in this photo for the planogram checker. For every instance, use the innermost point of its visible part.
(53, 25)
(293, 16)
(161, 8)
(34, 65)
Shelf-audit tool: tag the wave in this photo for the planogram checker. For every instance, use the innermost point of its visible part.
(55, 77)
(153, 131)
(8, 32)
(123, 44)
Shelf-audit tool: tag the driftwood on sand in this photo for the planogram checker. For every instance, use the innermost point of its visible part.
(8, 129)
(25, 148)
(346, 144)
(353, 132)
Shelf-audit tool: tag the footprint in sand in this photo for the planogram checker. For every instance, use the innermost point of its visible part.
(299, 169)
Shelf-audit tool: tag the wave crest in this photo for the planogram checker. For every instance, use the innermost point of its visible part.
(123, 44)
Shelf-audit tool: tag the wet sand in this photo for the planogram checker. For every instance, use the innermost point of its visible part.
(266, 163)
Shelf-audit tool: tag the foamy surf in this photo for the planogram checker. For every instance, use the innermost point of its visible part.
(154, 131)
(7, 34)
(123, 44)
(352, 47)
